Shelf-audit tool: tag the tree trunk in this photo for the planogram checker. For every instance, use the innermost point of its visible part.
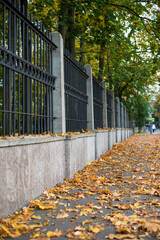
(71, 38)
(109, 71)
(101, 62)
(62, 21)
(82, 56)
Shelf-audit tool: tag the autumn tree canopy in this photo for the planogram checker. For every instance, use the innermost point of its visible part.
(120, 39)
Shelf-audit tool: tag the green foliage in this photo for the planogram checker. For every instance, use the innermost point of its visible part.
(156, 106)
(120, 39)
(141, 109)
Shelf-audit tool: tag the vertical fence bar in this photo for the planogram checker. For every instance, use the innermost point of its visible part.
(28, 98)
(4, 75)
(23, 77)
(4, 97)
(31, 116)
(38, 122)
(35, 107)
(41, 108)
(19, 119)
(44, 107)
(9, 74)
(19, 90)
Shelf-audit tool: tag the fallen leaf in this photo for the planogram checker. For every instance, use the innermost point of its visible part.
(62, 215)
(56, 233)
(96, 229)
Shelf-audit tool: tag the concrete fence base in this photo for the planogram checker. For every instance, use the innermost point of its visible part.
(28, 166)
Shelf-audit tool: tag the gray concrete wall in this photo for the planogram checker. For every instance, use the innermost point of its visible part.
(80, 150)
(111, 138)
(101, 144)
(122, 134)
(27, 170)
(118, 135)
(28, 166)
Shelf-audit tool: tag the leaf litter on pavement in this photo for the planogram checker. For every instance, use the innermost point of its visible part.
(115, 197)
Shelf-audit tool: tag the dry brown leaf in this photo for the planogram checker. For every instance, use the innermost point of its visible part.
(151, 226)
(71, 210)
(36, 217)
(105, 191)
(86, 222)
(121, 236)
(44, 206)
(62, 215)
(96, 229)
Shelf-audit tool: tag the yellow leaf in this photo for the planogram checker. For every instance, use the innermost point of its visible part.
(36, 235)
(95, 229)
(56, 233)
(36, 217)
(38, 205)
(106, 191)
(62, 215)
(124, 230)
(13, 235)
(86, 221)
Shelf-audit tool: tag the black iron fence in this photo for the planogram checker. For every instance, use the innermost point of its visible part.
(76, 98)
(97, 102)
(109, 108)
(26, 77)
(124, 117)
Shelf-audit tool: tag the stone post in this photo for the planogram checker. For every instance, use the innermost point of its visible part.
(118, 117)
(59, 124)
(125, 117)
(122, 121)
(90, 106)
(104, 99)
(113, 109)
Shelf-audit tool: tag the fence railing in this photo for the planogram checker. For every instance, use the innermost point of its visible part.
(98, 103)
(26, 76)
(27, 81)
(109, 108)
(75, 80)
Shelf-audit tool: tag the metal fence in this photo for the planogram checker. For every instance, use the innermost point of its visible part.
(121, 115)
(76, 98)
(26, 78)
(97, 102)
(116, 112)
(124, 117)
(109, 108)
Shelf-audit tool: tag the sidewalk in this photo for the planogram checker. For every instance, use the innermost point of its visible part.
(115, 197)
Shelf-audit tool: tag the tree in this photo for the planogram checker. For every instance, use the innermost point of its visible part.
(141, 110)
(156, 107)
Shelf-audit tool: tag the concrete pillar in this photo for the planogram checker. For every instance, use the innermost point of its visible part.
(104, 99)
(125, 117)
(118, 117)
(113, 109)
(59, 124)
(90, 106)
(122, 115)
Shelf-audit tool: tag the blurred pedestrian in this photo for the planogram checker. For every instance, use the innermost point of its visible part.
(150, 127)
(153, 127)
